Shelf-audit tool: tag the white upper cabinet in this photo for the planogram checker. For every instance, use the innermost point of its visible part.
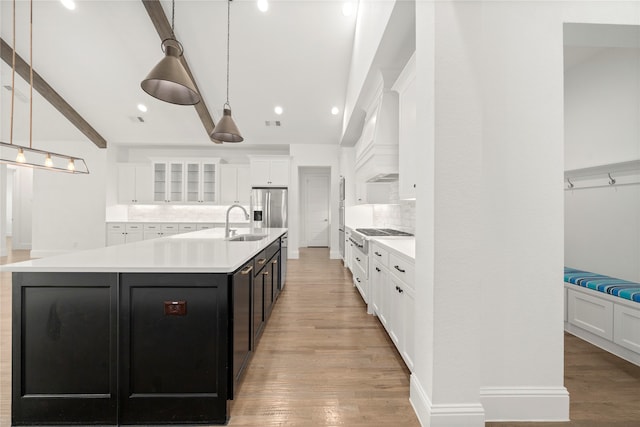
(185, 181)
(134, 183)
(234, 184)
(405, 85)
(270, 171)
(201, 181)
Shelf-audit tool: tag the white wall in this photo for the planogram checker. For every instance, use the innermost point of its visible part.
(489, 209)
(372, 19)
(8, 209)
(313, 155)
(602, 110)
(22, 232)
(69, 210)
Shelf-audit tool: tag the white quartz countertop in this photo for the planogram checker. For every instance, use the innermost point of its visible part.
(204, 251)
(404, 245)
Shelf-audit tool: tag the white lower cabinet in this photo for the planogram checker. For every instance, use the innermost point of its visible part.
(118, 233)
(393, 298)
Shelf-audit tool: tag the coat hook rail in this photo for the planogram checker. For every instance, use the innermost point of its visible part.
(611, 180)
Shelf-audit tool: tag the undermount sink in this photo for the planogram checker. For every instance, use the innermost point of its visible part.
(247, 237)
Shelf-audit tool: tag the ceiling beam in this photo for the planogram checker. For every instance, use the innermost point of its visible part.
(53, 97)
(161, 22)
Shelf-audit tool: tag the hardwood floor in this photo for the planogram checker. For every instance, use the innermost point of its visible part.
(322, 361)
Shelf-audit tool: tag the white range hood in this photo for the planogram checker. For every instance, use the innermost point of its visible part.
(377, 150)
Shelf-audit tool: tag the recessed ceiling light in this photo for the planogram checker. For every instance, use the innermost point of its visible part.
(335, 111)
(69, 4)
(142, 108)
(278, 110)
(347, 8)
(263, 5)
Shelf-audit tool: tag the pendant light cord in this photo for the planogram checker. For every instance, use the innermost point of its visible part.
(30, 73)
(228, 32)
(13, 73)
(173, 14)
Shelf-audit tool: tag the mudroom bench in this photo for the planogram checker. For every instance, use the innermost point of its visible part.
(604, 311)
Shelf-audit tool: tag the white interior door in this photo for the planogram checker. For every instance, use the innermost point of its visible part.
(317, 210)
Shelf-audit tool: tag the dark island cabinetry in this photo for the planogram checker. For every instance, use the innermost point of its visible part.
(173, 348)
(64, 348)
(137, 348)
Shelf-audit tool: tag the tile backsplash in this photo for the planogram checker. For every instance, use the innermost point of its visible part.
(400, 215)
(183, 213)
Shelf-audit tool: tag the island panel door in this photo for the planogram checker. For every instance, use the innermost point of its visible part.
(64, 348)
(173, 348)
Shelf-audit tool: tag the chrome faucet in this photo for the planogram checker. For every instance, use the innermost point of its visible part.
(226, 224)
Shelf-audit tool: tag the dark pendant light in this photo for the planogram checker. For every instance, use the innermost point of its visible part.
(226, 130)
(169, 81)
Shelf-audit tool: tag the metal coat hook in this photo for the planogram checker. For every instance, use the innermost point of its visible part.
(611, 180)
(570, 183)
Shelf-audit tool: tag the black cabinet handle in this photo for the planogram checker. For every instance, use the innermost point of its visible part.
(357, 259)
(358, 279)
(378, 270)
(399, 269)
(400, 290)
(379, 254)
(397, 288)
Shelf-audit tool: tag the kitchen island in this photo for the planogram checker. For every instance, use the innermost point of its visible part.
(152, 332)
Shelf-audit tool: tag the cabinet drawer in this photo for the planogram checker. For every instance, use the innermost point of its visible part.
(362, 260)
(380, 255)
(115, 226)
(272, 249)
(259, 262)
(401, 268)
(153, 227)
(186, 228)
(205, 226)
(133, 227)
(170, 228)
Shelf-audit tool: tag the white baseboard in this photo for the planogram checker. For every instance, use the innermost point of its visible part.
(335, 255)
(525, 403)
(3, 252)
(17, 246)
(45, 253)
(443, 415)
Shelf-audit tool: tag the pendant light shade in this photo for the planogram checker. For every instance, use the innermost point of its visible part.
(169, 81)
(226, 129)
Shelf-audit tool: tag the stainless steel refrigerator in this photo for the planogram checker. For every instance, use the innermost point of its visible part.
(269, 209)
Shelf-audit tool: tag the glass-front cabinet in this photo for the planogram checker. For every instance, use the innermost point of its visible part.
(186, 181)
(168, 182)
(201, 181)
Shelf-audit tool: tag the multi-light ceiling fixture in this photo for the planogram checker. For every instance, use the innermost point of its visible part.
(226, 130)
(15, 154)
(168, 80)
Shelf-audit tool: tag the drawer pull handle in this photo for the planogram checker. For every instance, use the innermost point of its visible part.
(358, 279)
(247, 270)
(175, 308)
(265, 273)
(378, 270)
(357, 259)
(261, 261)
(399, 269)
(275, 261)
(400, 290)
(377, 253)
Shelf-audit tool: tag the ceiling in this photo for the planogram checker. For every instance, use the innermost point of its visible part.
(296, 55)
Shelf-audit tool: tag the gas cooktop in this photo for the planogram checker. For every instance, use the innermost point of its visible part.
(381, 232)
